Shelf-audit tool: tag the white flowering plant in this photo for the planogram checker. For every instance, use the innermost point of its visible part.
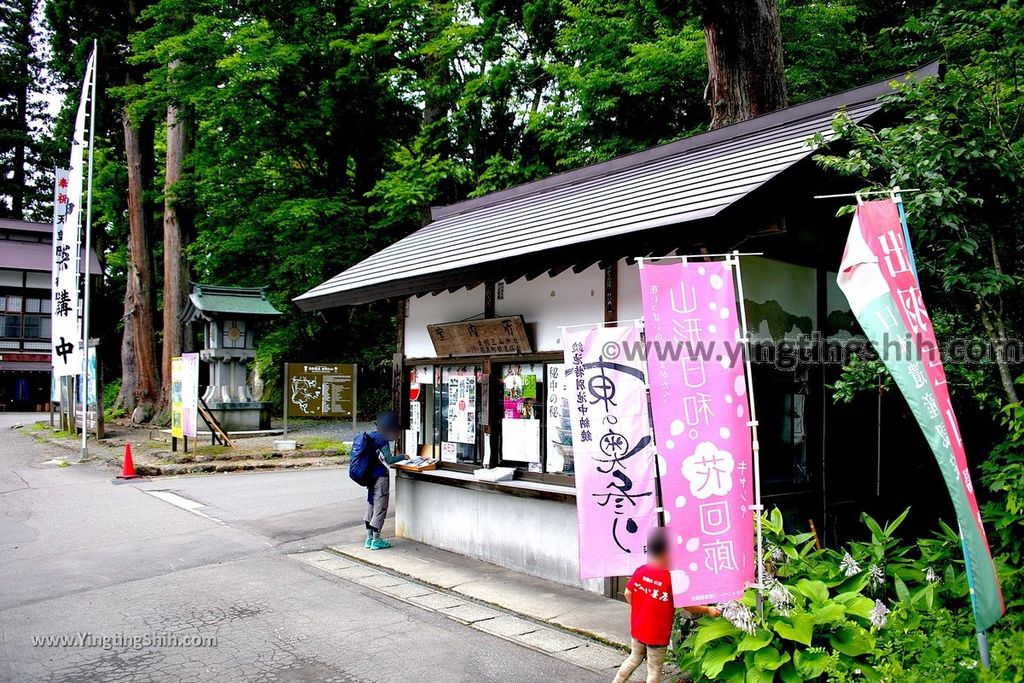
(823, 611)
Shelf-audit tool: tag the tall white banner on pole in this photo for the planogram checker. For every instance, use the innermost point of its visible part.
(66, 339)
(60, 260)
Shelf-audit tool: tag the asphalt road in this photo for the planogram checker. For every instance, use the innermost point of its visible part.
(130, 576)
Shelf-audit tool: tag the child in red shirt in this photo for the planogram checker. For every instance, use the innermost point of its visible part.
(649, 594)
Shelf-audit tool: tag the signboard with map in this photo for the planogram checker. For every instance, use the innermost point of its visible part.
(320, 390)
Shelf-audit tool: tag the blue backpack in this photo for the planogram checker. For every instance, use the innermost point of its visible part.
(362, 460)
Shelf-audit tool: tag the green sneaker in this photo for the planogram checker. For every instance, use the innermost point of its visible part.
(379, 544)
(368, 543)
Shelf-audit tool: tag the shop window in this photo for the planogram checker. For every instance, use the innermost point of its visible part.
(522, 420)
(419, 436)
(458, 414)
(558, 445)
(535, 430)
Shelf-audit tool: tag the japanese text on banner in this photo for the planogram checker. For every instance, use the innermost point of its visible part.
(699, 407)
(878, 280)
(616, 496)
(65, 356)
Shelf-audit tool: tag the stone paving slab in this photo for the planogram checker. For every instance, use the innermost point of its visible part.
(436, 601)
(470, 613)
(507, 625)
(548, 640)
(405, 590)
(379, 581)
(595, 657)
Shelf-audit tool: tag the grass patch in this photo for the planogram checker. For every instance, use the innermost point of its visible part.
(38, 427)
(322, 444)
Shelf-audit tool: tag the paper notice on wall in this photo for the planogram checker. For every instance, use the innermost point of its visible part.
(559, 429)
(520, 440)
(412, 443)
(462, 409)
(449, 451)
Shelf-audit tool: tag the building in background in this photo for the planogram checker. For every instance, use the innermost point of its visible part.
(25, 263)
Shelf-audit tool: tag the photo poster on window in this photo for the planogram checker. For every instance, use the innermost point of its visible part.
(559, 426)
(462, 409)
(519, 391)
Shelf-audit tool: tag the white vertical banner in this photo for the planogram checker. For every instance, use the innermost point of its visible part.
(65, 354)
(66, 339)
(58, 257)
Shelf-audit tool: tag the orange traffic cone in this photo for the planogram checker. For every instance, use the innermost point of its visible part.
(128, 471)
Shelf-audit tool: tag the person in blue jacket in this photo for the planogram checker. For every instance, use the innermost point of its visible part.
(379, 493)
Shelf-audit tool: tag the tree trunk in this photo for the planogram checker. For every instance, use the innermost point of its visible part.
(744, 49)
(129, 372)
(143, 333)
(175, 271)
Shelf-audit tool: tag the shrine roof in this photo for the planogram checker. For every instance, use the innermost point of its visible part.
(214, 299)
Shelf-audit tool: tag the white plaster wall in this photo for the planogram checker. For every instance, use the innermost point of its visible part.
(442, 308)
(630, 305)
(549, 302)
(535, 537)
(793, 286)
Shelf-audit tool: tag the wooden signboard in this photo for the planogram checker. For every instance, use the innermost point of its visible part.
(489, 336)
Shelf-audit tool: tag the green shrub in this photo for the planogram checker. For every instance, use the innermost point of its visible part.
(876, 610)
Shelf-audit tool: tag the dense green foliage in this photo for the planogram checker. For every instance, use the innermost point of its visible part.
(321, 131)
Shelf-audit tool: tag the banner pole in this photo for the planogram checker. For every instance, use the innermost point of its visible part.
(639, 322)
(284, 399)
(756, 447)
(982, 638)
(85, 269)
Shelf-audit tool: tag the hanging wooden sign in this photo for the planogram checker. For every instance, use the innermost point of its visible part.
(489, 336)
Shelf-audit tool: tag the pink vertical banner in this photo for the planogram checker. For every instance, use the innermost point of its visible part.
(699, 406)
(616, 496)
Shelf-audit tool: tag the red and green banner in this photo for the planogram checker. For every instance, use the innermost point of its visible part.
(877, 276)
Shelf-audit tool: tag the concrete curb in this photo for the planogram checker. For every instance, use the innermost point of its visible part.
(576, 648)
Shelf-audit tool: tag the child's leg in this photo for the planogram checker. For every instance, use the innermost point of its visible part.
(636, 656)
(655, 663)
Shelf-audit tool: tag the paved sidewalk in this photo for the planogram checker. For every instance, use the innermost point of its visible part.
(556, 642)
(590, 614)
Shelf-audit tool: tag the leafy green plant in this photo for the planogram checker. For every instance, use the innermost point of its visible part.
(825, 611)
(860, 376)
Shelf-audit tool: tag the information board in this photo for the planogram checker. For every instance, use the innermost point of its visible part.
(320, 390)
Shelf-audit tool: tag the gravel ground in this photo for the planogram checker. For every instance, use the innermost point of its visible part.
(339, 430)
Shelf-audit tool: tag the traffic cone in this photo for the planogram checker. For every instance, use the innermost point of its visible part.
(128, 471)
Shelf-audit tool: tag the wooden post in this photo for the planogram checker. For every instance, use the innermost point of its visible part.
(488, 300)
(400, 406)
(611, 292)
